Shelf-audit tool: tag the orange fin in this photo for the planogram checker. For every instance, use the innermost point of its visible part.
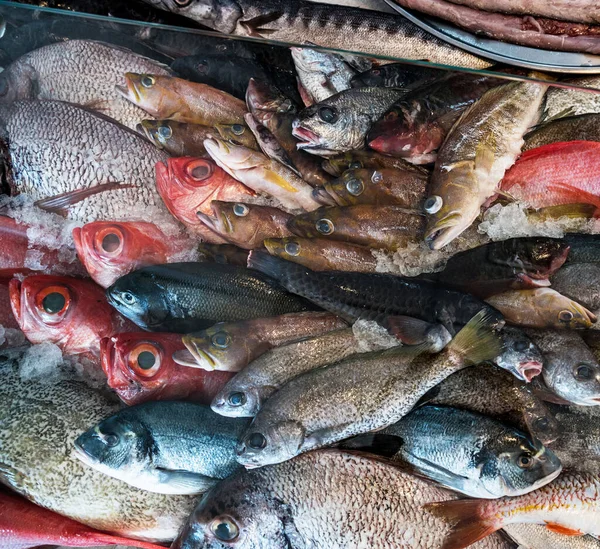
(61, 203)
(564, 530)
(468, 526)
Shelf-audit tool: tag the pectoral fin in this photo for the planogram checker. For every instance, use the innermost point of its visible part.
(185, 482)
(565, 531)
(254, 26)
(61, 203)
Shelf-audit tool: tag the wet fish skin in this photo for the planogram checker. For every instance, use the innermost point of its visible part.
(520, 355)
(231, 346)
(579, 281)
(273, 504)
(199, 294)
(584, 248)
(238, 134)
(340, 123)
(320, 254)
(542, 308)
(352, 160)
(223, 253)
(36, 463)
(176, 138)
(584, 127)
(163, 447)
(576, 102)
(48, 73)
(480, 147)
(396, 75)
(535, 536)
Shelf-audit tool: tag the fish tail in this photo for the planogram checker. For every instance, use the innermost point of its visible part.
(468, 524)
(477, 342)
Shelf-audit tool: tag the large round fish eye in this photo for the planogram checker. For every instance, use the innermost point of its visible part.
(525, 461)
(355, 165)
(565, 316)
(324, 226)
(199, 170)
(292, 248)
(128, 298)
(111, 440)
(224, 528)
(238, 129)
(328, 114)
(221, 340)
(52, 302)
(145, 359)
(237, 399)
(433, 204)
(241, 210)
(147, 81)
(355, 187)
(257, 441)
(165, 131)
(541, 424)
(111, 242)
(584, 372)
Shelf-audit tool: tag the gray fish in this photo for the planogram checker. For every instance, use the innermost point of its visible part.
(585, 127)
(39, 421)
(359, 394)
(164, 447)
(327, 498)
(78, 163)
(183, 297)
(537, 536)
(520, 356)
(467, 452)
(84, 72)
(244, 395)
(342, 28)
(341, 122)
(396, 75)
(580, 282)
(561, 100)
(571, 370)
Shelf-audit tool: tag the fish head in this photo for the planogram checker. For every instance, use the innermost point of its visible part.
(160, 132)
(151, 92)
(337, 165)
(68, 312)
(20, 81)
(262, 96)
(231, 157)
(109, 250)
(238, 400)
(520, 356)
(238, 134)
(561, 311)
(292, 248)
(270, 444)
(513, 464)
(539, 420)
(540, 258)
(316, 224)
(350, 188)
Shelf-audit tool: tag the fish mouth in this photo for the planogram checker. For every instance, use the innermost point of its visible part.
(183, 357)
(204, 360)
(530, 369)
(444, 231)
(80, 453)
(308, 138)
(130, 91)
(219, 225)
(14, 292)
(321, 196)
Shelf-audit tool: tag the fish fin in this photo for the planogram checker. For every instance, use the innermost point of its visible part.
(467, 526)
(545, 119)
(254, 26)
(426, 469)
(578, 195)
(271, 265)
(585, 210)
(484, 157)
(376, 443)
(61, 203)
(305, 95)
(565, 531)
(281, 182)
(506, 195)
(430, 395)
(476, 342)
(545, 394)
(185, 482)
(410, 330)
(97, 105)
(10, 475)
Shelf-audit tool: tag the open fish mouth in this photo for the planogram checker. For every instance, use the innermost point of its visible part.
(308, 138)
(218, 224)
(82, 455)
(204, 360)
(184, 358)
(529, 370)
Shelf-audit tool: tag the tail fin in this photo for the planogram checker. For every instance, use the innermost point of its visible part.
(468, 526)
(477, 342)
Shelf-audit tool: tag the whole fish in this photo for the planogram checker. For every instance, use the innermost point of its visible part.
(24, 524)
(493, 392)
(183, 297)
(188, 185)
(68, 312)
(246, 225)
(163, 447)
(277, 112)
(558, 173)
(140, 368)
(416, 126)
(246, 393)
(177, 99)
(375, 296)
(535, 536)
(571, 371)
(322, 406)
(321, 74)
(396, 75)
(516, 263)
(84, 72)
(379, 187)
(340, 123)
(569, 505)
(298, 22)
(238, 134)
(231, 346)
(275, 506)
(262, 174)
(39, 423)
(579, 281)
(542, 308)
(480, 147)
(109, 250)
(520, 355)
(320, 254)
(585, 127)
(223, 253)
(176, 138)
(337, 165)
(473, 454)
(105, 170)
(388, 227)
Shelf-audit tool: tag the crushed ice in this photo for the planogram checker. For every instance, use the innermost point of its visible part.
(372, 337)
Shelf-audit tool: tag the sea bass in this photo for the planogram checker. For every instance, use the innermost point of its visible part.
(139, 367)
(480, 147)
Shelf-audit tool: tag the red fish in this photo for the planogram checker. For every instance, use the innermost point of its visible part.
(140, 367)
(24, 524)
(557, 173)
(187, 185)
(110, 250)
(69, 312)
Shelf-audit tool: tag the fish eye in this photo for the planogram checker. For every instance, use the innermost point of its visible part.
(238, 129)
(584, 372)
(200, 170)
(111, 243)
(147, 81)
(377, 177)
(355, 187)
(241, 210)
(521, 345)
(165, 131)
(433, 204)
(221, 340)
(111, 440)
(257, 441)
(525, 461)
(324, 226)
(355, 165)
(375, 72)
(565, 316)
(128, 298)
(541, 424)
(292, 248)
(145, 359)
(53, 301)
(183, 3)
(237, 399)
(224, 529)
(328, 114)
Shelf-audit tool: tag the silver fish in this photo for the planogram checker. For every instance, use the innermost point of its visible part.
(536, 536)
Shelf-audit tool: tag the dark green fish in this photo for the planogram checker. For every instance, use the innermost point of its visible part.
(585, 127)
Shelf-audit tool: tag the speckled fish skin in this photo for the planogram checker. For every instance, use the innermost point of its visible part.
(275, 507)
(535, 536)
(84, 72)
(584, 127)
(38, 424)
(56, 148)
(337, 165)
(520, 356)
(576, 102)
(581, 282)
(480, 147)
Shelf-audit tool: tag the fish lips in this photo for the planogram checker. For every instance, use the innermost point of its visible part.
(530, 369)
(310, 141)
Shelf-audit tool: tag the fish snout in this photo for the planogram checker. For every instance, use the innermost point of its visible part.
(321, 196)
(530, 369)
